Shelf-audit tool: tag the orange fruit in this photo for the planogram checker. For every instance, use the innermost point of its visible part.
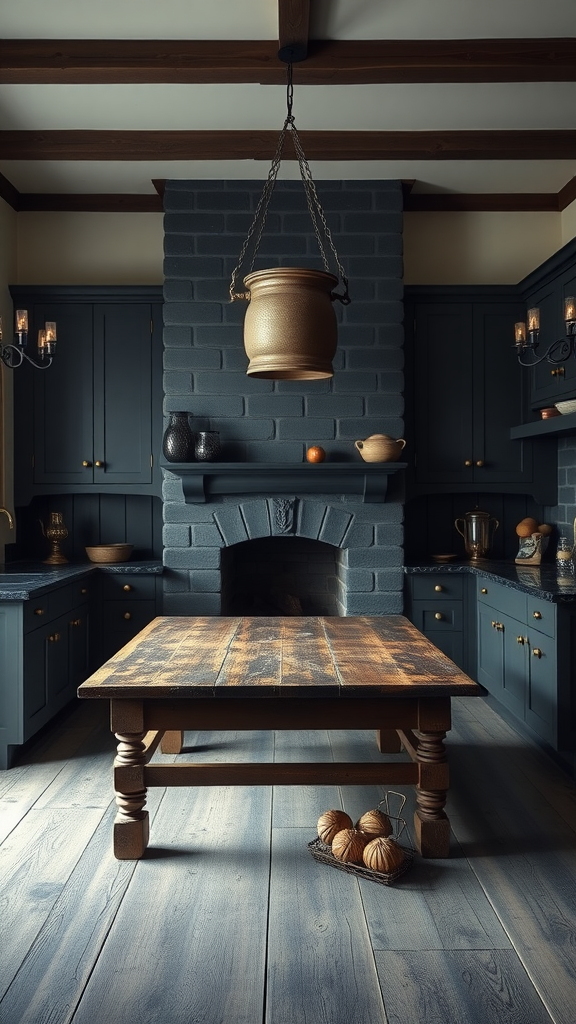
(315, 454)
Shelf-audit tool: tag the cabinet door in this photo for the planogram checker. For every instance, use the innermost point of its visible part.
(490, 670)
(63, 432)
(542, 688)
(123, 442)
(443, 391)
(46, 677)
(513, 693)
(78, 647)
(500, 398)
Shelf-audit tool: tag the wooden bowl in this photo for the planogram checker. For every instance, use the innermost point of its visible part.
(109, 552)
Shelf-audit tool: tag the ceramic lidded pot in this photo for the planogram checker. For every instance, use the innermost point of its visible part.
(380, 448)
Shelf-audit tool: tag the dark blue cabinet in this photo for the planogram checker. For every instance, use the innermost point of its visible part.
(93, 420)
(467, 391)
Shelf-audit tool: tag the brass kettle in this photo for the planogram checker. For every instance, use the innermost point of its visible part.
(380, 448)
(478, 529)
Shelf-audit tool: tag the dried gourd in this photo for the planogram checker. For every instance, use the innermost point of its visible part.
(383, 854)
(375, 823)
(526, 527)
(348, 845)
(332, 822)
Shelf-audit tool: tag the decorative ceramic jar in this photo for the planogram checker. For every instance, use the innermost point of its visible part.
(55, 531)
(290, 330)
(207, 446)
(178, 442)
(380, 448)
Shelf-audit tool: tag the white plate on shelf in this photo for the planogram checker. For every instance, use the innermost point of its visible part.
(566, 407)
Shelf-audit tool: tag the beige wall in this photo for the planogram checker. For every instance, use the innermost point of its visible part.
(7, 276)
(477, 248)
(90, 248)
(439, 248)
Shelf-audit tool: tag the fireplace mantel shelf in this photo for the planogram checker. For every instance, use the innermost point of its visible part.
(203, 480)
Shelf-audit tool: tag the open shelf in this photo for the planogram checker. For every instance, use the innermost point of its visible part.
(557, 426)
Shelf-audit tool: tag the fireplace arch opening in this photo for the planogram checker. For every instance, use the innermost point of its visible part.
(281, 576)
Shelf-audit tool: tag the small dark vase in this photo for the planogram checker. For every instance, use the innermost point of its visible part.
(178, 442)
(207, 447)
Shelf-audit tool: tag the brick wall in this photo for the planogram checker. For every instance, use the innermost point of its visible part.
(205, 364)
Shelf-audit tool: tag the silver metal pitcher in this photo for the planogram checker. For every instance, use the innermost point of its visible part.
(477, 529)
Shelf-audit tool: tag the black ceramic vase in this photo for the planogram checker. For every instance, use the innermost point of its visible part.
(207, 447)
(178, 442)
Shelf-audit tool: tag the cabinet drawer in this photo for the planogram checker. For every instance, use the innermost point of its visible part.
(541, 615)
(37, 611)
(128, 586)
(63, 599)
(502, 599)
(436, 587)
(127, 616)
(440, 617)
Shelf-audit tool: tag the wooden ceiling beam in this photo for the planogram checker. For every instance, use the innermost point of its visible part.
(293, 29)
(334, 62)
(261, 145)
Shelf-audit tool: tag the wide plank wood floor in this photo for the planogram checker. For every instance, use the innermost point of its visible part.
(229, 920)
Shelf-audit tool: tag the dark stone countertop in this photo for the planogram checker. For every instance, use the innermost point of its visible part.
(20, 580)
(541, 580)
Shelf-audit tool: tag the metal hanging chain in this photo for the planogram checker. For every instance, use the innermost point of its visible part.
(314, 208)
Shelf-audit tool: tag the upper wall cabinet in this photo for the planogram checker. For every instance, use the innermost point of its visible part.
(92, 421)
(547, 288)
(467, 391)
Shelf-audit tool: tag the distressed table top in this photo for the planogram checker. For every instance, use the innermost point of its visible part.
(245, 656)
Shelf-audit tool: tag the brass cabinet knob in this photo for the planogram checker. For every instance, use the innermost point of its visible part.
(438, 616)
(438, 588)
(468, 462)
(99, 464)
(39, 611)
(54, 638)
(498, 626)
(480, 462)
(536, 615)
(126, 587)
(536, 653)
(520, 639)
(86, 464)
(558, 372)
(76, 622)
(127, 615)
(484, 590)
(84, 590)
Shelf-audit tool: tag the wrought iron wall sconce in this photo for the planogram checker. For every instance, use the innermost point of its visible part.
(15, 354)
(526, 338)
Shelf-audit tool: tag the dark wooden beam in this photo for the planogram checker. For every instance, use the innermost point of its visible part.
(102, 202)
(504, 202)
(10, 194)
(567, 194)
(336, 62)
(293, 27)
(260, 145)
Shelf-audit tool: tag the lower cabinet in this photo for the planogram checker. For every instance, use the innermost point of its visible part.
(523, 658)
(437, 604)
(129, 602)
(52, 642)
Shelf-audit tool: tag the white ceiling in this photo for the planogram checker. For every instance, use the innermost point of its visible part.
(506, 106)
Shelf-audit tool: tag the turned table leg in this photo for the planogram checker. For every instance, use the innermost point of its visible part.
(431, 825)
(171, 742)
(131, 826)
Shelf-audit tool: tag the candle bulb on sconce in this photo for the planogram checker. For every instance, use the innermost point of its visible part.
(22, 327)
(526, 340)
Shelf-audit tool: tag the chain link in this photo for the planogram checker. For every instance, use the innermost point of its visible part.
(315, 210)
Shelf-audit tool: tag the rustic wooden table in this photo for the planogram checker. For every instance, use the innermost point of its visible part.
(280, 673)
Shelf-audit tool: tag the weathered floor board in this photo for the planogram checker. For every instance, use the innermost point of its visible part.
(229, 920)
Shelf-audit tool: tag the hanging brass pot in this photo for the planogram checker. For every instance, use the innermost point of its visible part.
(290, 330)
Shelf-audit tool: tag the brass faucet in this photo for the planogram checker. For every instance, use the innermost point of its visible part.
(6, 513)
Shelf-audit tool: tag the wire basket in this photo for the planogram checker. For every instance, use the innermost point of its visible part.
(323, 853)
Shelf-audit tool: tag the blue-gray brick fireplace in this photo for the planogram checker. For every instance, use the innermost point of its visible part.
(336, 553)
